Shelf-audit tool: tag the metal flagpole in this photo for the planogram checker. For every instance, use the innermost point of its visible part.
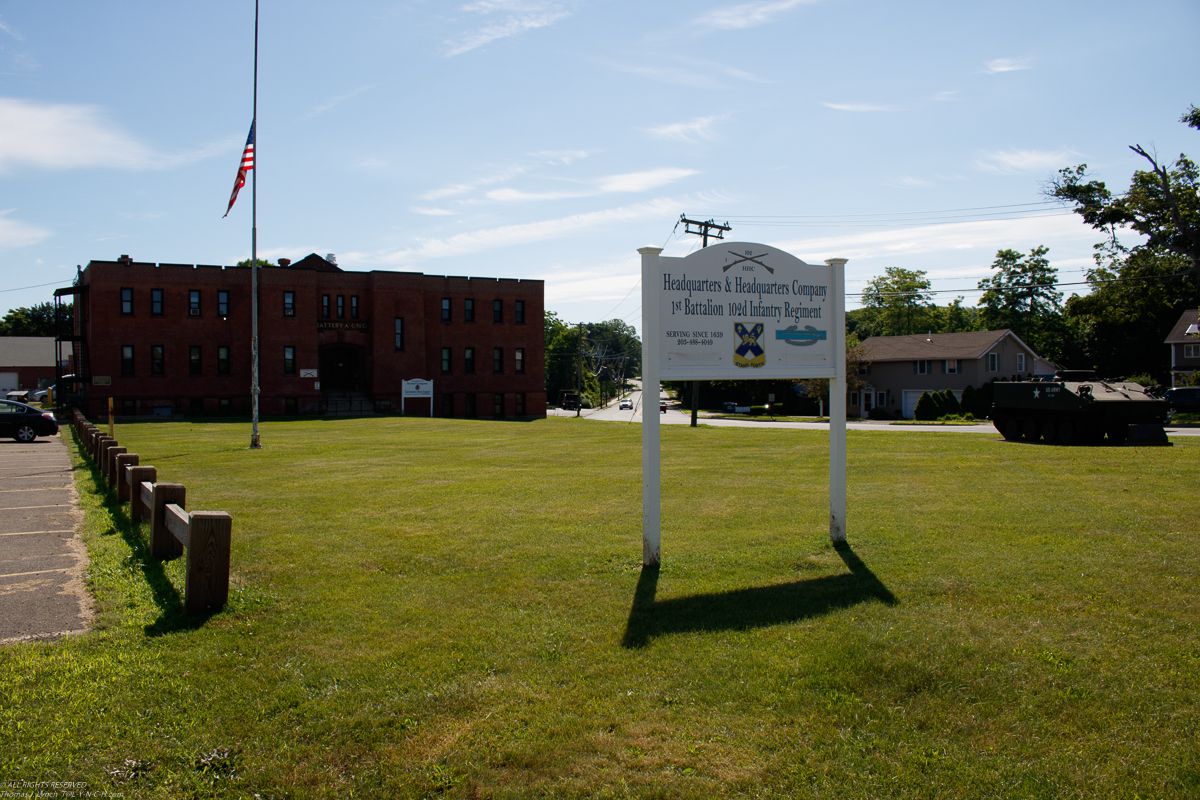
(254, 442)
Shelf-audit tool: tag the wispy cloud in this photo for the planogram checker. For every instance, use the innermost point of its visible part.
(694, 72)
(697, 130)
(564, 157)
(316, 111)
(432, 212)
(470, 186)
(7, 29)
(746, 15)
(857, 107)
(612, 184)
(14, 233)
(522, 17)
(1008, 162)
(526, 233)
(75, 136)
(1007, 65)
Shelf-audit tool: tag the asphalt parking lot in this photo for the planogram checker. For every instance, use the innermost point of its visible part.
(42, 558)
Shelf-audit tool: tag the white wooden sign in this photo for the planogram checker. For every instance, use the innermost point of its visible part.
(735, 311)
(416, 388)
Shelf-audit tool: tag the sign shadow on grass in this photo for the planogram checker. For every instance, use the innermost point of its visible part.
(740, 609)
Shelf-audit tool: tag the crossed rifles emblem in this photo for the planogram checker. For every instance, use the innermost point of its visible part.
(740, 259)
(749, 353)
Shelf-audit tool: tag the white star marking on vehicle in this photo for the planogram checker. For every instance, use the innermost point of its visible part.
(1037, 393)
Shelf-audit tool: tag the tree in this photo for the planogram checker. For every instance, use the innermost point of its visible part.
(901, 299)
(262, 262)
(611, 352)
(1021, 296)
(857, 362)
(34, 321)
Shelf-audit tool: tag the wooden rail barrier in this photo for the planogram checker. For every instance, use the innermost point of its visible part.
(206, 536)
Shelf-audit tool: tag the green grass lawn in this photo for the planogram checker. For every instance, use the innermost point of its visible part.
(449, 608)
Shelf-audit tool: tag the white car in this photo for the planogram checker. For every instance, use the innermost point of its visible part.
(625, 403)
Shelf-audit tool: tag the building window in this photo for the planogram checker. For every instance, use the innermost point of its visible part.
(881, 399)
(126, 359)
(519, 314)
(127, 301)
(224, 406)
(468, 310)
(950, 366)
(993, 362)
(354, 306)
(223, 360)
(469, 361)
(194, 363)
(341, 307)
(865, 369)
(445, 309)
(324, 306)
(290, 406)
(520, 410)
(1020, 362)
(445, 360)
(289, 304)
(289, 361)
(498, 405)
(156, 302)
(854, 399)
(497, 359)
(497, 311)
(447, 405)
(1191, 351)
(128, 408)
(223, 304)
(157, 367)
(520, 360)
(194, 303)
(469, 405)
(921, 367)
(399, 333)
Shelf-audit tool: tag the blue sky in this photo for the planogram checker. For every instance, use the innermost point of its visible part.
(552, 138)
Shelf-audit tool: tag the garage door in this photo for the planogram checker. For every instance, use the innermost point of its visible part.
(8, 382)
(911, 396)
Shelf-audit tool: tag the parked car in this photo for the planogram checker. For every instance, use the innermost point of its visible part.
(1183, 399)
(25, 423)
(662, 406)
(625, 403)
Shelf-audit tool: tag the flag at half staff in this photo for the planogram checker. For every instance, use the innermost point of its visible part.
(246, 165)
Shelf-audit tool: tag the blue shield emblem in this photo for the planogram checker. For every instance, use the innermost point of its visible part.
(749, 351)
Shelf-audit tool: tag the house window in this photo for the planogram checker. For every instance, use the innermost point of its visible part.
(223, 304)
(157, 367)
(993, 362)
(445, 360)
(497, 311)
(354, 306)
(126, 359)
(289, 361)
(468, 310)
(289, 304)
(921, 367)
(194, 363)
(399, 333)
(880, 399)
(1020, 362)
(864, 369)
(194, 303)
(127, 301)
(156, 302)
(341, 306)
(1191, 351)
(497, 359)
(469, 361)
(950, 367)
(469, 403)
(445, 309)
(520, 410)
(447, 405)
(854, 398)
(497, 405)
(520, 360)
(223, 360)
(324, 306)
(519, 314)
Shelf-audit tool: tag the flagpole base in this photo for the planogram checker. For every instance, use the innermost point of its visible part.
(255, 444)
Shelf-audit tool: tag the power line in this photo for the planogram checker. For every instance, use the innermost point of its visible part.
(36, 286)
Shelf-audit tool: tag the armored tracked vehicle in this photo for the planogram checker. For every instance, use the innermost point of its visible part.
(1074, 408)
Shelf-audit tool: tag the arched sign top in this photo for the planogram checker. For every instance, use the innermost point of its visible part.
(739, 310)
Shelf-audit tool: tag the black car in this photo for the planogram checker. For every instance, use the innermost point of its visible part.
(1183, 399)
(25, 423)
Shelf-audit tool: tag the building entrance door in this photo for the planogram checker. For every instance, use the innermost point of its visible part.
(341, 368)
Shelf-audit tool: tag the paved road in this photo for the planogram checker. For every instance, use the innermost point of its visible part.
(42, 558)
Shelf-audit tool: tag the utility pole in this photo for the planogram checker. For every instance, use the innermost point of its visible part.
(579, 384)
(716, 231)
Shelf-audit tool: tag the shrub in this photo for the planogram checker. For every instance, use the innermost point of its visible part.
(926, 408)
(878, 413)
(947, 403)
(757, 411)
(970, 400)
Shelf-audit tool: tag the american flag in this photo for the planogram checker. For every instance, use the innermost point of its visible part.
(246, 166)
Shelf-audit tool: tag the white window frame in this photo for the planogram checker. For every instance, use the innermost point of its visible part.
(951, 366)
(854, 399)
(1191, 351)
(993, 362)
(1020, 362)
(922, 367)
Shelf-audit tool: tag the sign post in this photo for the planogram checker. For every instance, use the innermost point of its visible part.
(417, 388)
(741, 311)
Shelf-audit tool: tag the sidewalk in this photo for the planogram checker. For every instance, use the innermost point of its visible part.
(42, 558)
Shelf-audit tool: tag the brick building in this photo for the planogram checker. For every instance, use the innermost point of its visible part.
(175, 339)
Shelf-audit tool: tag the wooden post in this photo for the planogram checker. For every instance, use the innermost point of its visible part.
(162, 544)
(207, 585)
(102, 448)
(135, 476)
(110, 464)
(124, 460)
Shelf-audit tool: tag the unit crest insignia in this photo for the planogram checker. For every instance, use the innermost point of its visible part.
(749, 352)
